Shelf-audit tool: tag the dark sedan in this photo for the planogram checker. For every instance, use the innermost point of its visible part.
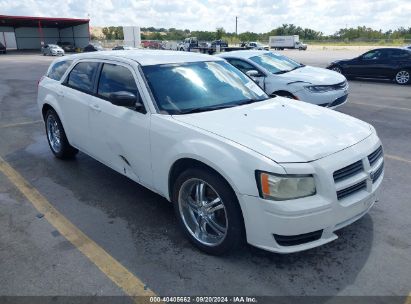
(385, 63)
(93, 47)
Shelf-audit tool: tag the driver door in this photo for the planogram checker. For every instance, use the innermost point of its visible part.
(121, 134)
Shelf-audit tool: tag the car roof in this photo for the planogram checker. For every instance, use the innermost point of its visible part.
(148, 57)
(242, 54)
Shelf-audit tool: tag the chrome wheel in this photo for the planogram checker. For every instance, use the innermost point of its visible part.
(203, 212)
(337, 69)
(402, 77)
(53, 133)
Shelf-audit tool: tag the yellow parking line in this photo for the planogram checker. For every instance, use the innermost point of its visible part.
(398, 158)
(116, 272)
(21, 124)
(408, 299)
(380, 106)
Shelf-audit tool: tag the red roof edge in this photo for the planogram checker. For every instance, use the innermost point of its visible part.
(43, 18)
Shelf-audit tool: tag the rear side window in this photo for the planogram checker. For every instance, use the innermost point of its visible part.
(400, 54)
(58, 69)
(116, 78)
(82, 76)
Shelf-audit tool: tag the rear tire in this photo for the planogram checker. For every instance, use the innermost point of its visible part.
(403, 77)
(57, 138)
(208, 211)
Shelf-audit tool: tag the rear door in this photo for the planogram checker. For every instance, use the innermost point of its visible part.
(75, 95)
(121, 134)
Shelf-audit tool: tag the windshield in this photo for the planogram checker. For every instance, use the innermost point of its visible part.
(200, 86)
(276, 64)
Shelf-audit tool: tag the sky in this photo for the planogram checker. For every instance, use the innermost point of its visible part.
(258, 16)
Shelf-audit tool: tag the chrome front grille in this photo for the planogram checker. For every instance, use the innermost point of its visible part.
(377, 173)
(352, 189)
(374, 156)
(348, 171)
(360, 175)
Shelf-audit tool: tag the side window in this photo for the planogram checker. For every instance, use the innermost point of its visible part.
(241, 65)
(58, 69)
(372, 55)
(82, 76)
(116, 78)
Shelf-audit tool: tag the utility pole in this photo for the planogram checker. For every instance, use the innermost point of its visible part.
(236, 18)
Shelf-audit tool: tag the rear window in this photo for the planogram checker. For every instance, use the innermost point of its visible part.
(58, 69)
(82, 76)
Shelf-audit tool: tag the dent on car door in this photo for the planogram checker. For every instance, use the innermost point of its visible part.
(74, 99)
(121, 134)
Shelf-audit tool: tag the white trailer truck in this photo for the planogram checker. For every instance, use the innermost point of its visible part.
(286, 42)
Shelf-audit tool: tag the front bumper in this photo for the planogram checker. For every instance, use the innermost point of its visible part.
(301, 224)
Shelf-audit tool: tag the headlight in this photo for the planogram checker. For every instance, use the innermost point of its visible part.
(319, 88)
(284, 187)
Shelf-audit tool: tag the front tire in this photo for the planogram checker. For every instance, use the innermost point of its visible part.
(403, 77)
(57, 138)
(208, 211)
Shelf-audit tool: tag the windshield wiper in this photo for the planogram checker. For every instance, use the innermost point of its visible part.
(281, 72)
(204, 109)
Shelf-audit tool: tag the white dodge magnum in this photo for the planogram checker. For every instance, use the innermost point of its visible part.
(236, 164)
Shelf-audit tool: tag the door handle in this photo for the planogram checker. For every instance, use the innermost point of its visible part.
(95, 107)
(60, 93)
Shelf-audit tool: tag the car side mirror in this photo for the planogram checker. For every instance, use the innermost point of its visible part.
(128, 100)
(253, 73)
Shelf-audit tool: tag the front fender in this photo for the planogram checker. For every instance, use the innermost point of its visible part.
(172, 140)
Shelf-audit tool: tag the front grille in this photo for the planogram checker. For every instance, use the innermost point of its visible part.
(377, 173)
(338, 101)
(348, 171)
(292, 240)
(351, 190)
(374, 156)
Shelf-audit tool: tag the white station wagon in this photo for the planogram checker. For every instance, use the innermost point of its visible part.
(236, 164)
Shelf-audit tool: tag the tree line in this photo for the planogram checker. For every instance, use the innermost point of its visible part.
(345, 34)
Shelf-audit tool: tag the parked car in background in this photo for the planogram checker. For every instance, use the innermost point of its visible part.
(3, 49)
(123, 47)
(279, 75)
(151, 44)
(219, 42)
(93, 47)
(68, 47)
(256, 46)
(187, 44)
(237, 164)
(52, 50)
(383, 63)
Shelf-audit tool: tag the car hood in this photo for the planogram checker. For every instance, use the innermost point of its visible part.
(283, 130)
(313, 75)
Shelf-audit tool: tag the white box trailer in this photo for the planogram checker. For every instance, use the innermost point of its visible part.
(286, 42)
(132, 36)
